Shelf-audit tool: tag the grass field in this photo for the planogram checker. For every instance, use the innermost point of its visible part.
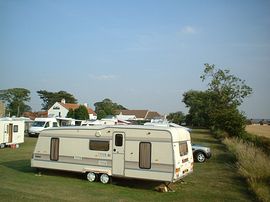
(261, 130)
(215, 180)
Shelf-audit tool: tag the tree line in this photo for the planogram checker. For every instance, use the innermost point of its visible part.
(215, 108)
(16, 99)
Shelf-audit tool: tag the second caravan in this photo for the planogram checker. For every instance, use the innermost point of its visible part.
(11, 131)
(143, 152)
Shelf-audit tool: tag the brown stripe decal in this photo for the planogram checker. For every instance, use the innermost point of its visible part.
(154, 167)
(76, 160)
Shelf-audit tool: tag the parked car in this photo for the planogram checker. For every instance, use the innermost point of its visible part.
(201, 153)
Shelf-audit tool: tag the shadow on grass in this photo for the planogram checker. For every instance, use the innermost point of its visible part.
(19, 165)
(201, 141)
(200, 131)
(226, 158)
(122, 182)
(136, 183)
(25, 167)
(61, 173)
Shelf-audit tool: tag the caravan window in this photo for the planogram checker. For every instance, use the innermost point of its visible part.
(98, 145)
(118, 140)
(183, 148)
(55, 124)
(145, 155)
(15, 128)
(54, 153)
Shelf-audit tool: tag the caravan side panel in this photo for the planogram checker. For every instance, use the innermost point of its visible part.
(161, 161)
(75, 154)
(149, 155)
(18, 132)
(11, 132)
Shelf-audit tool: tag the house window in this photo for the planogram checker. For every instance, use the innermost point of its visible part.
(145, 155)
(98, 145)
(54, 152)
(183, 148)
(118, 140)
(15, 128)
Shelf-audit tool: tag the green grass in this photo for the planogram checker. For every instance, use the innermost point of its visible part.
(215, 180)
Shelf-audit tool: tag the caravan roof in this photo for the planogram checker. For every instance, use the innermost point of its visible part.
(177, 133)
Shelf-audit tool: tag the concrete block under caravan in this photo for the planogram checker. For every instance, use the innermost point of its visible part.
(101, 152)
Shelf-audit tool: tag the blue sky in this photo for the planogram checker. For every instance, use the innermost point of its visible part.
(141, 54)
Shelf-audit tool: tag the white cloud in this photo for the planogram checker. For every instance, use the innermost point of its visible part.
(188, 30)
(103, 77)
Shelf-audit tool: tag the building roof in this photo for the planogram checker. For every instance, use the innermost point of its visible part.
(152, 115)
(33, 115)
(75, 106)
(140, 114)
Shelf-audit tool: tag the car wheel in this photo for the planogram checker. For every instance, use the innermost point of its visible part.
(200, 157)
(104, 178)
(91, 177)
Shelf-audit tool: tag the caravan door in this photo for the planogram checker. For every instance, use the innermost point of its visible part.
(8, 132)
(118, 153)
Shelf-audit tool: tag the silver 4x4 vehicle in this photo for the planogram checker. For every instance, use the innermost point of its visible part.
(201, 153)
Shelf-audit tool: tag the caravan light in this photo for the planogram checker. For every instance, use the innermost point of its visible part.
(177, 170)
(98, 134)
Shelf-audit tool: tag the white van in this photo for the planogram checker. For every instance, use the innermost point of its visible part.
(40, 124)
(143, 152)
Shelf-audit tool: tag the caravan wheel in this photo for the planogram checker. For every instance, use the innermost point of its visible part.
(91, 177)
(104, 178)
(2, 145)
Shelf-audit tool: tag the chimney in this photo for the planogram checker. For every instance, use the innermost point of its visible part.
(63, 101)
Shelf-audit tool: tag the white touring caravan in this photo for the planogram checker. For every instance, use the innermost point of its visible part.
(143, 152)
(40, 124)
(11, 132)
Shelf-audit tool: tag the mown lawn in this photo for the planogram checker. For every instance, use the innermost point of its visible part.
(215, 180)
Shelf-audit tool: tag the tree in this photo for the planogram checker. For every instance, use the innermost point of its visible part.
(71, 114)
(15, 99)
(176, 117)
(230, 89)
(106, 107)
(216, 107)
(199, 105)
(228, 93)
(81, 113)
(49, 98)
